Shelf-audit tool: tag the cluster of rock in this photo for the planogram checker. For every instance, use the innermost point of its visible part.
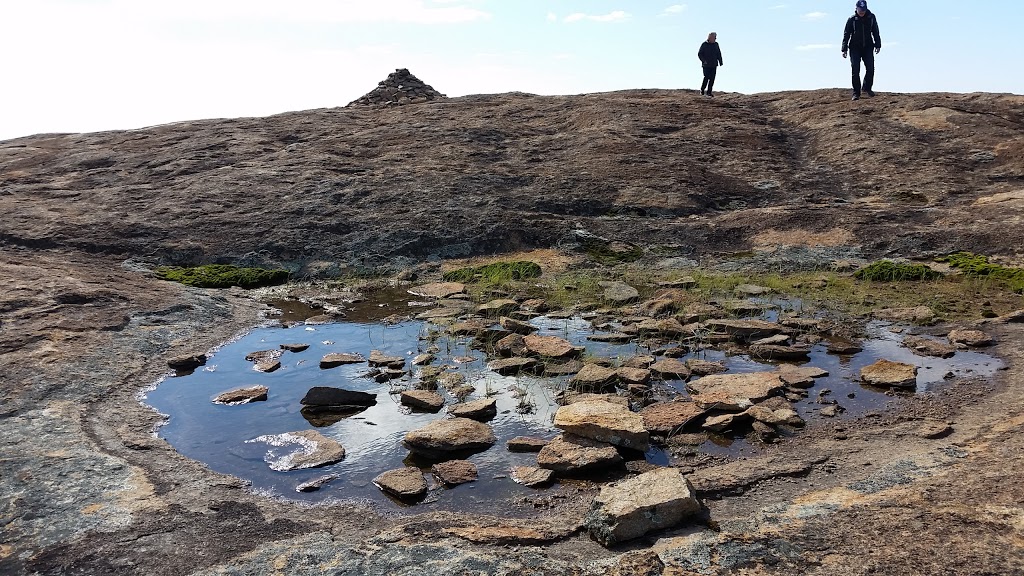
(400, 87)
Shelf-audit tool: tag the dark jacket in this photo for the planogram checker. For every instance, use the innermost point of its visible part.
(861, 33)
(710, 54)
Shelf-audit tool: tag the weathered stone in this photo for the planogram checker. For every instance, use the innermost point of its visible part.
(698, 312)
(750, 290)
(800, 376)
(470, 327)
(764, 432)
(923, 346)
(480, 410)
(267, 365)
(611, 337)
(774, 417)
(316, 483)
(571, 397)
(970, 338)
(667, 418)
(335, 359)
(887, 373)
(658, 307)
(422, 359)
(514, 365)
(262, 355)
(777, 352)
(744, 329)
(424, 400)
(302, 449)
(932, 429)
(511, 345)
(445, 436)
(843, 346)
(497, 308)
(438, 290)
(378, 358)
(704, 367)
(618, 293)
(242, 395)
(186, 362)
(776, 339)
(831, 411)
(570, 454)
(532, 476)
(666, 327)
(515, 326)
(670, 369)
(654, 500)
(550, 346)
(684, 282)
(400, 88)
(525, 444)
(639, 362)
(605, 422)
(562, 368)
(337, 397)
(633, 375)
(734, 392)
(919, 314)
(594, 377)
(742, 473)
(404, 483)
(723, 422)
(454, 472)
(295, 347)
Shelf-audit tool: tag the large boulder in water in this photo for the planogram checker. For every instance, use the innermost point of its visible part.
(654, 500)
(447, 436)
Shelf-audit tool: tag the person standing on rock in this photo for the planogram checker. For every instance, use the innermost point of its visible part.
(861, 37)
(710, 55)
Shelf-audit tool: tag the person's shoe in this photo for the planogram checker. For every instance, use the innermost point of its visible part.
(710, 95)
(870, 93)
(701, 91)
(855, 97)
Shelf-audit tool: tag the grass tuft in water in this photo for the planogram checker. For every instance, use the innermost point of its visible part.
(222, 276)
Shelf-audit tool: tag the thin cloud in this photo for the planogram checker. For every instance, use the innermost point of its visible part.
(552, 17)
(813, 16)
(808, 47)
(616, 16)
(674, 9)
(779, 7)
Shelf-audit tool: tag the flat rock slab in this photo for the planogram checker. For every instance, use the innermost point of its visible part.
(889, 374)
(448, 435)
(619, 293)
(971, 338)
(525, 444)
(655, 500)
(480, 410)
(670, 369)
(594, 377)
(438, 290)
(455, 472)
(549, 346)
(532, 476)
(335, 359)
(511, 345)
(734, 392)
(186, 362)
(923, 346)
(337, 397)
(605, 422)
(302, 449)
(497, 308)
(378, 358)
(267, 365)
(779, 352)
(562, 368)
(404, 483)
(633, 375)
(705, 367)
(424, 400)
(743, 473)
(843, 346)
(295, 347)
(514, 365)
(242, 395)
(666, 418)
(667, 327)
(516, 326)
(610, 337)
(745, 329)
(919, 314)
(774, 416)
(569, 454)
(800, 376)
(442, 312)
(316, 483)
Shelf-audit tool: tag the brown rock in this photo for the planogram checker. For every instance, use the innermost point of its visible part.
(438, 290)
(242, 395)
(670, 369)
(569, 454)
(454, 472)
(404, 483)
(514, 365)
(605, 422)
(301, 449)
(800, 376)
(550, 346)
(186, 362)
(734, 392)
(335, 359)
(525, 444)
(295, 347)
(480, 410)
(515, 326)
(970, 338)
(887, 373)
(531, 476)
(424, 400)
(654, 500)
(594, 377)
(442, 437)
(667, 418)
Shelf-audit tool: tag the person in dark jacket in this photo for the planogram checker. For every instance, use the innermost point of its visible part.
(710, 55)
(861, 37)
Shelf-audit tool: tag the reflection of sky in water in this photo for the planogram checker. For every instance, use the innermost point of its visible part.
(217, 434)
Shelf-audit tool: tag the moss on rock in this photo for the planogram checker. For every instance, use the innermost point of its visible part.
(222, 276)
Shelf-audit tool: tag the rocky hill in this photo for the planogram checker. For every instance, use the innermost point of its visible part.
(373, 186)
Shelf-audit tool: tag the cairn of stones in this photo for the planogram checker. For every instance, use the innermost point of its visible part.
(400, 87)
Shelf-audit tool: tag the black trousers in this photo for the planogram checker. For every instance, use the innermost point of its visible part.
(868, 56)
(709, 78)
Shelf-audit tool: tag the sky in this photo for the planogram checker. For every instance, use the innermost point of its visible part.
(91, 65)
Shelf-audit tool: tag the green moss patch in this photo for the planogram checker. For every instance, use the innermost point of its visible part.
(495, 272)
(889, 271)
(222, 276)
(977, 265)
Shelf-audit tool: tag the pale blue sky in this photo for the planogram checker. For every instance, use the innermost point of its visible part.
(86, 65)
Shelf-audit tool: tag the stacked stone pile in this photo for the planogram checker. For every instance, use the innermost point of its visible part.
(400, 87)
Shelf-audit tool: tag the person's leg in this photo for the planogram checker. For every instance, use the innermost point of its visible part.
(710, 71)
(869, 71)
(704, 83)
(855, 71)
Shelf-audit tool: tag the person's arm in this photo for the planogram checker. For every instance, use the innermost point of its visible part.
(701, 52)
(874, 34)
(847, 32)
(720, 62)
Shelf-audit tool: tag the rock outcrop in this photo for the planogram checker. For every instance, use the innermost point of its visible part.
(400, 87)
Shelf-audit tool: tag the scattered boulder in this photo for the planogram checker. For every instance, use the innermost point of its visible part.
(777, 339)
(639, 362)
(525, 444)
(605, 422)
(443, 437)
(514, 365)
(454, 472)
(633, 375)
(594, 377)
(295, 347)
(779, 352)
(734, 392)
(570, 454)
(422, 359)
(316, 483)
(268, 365)
(532, 476)
(670, 369)
(654, 500)
(480, 410)
(610, 337)
(424, 400)
(744, 329)
(516, 326)
(470, 327)
(831, 411)
(619, 293)
(743, 473)
(889, 374)
(723, 422)
(403, 483)
(186, 362)
(242, 395)
(562, 368)
(774, 416)
(666, 327)
(969, 338)
(497, 308)
(668, 418)
(334, 360)
(917, 315)
(438, 290)
(550, 346)
(704, 367)
(932, 429)
(658, 307)
(263, 355)
(800, 376)
(511, 345)
(337, 399)
(843, 347)
(378, 358)
(302, 449)
(928, 347)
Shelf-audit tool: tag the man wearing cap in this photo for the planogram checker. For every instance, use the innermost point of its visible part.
(860, 37)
